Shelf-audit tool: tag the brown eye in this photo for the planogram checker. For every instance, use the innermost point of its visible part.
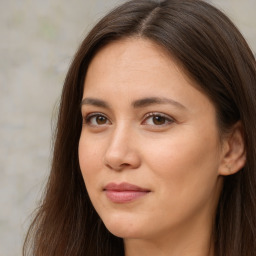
(159, 120)
(100, 120)
(96, 120)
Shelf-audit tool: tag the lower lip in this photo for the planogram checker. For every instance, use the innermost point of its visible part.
(124, 196)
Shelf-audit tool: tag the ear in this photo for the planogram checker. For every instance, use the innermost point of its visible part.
(233, 156)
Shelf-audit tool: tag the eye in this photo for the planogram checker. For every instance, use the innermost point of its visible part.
(96, 119)
(157, 119)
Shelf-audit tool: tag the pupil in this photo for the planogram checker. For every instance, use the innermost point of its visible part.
(158, 120)
(101, 120)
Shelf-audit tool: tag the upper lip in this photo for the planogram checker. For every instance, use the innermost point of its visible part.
(124, 187)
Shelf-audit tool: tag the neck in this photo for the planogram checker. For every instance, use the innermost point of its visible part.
(193, 240)
(136, 247)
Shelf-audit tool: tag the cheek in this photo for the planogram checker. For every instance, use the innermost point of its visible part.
(90, 162)
(186, 162)
(88, 153)
(185, 173)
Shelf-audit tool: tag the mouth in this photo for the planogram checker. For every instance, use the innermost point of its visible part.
(124, 192)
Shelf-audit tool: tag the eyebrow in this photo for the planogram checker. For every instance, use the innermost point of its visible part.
(145, 102)
(95, 102)
(156, 100)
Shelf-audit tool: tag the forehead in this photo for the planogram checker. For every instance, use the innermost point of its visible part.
(134, 68)
(132, 48)
(128, 59)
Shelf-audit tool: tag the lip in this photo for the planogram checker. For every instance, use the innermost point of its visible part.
(124, 192)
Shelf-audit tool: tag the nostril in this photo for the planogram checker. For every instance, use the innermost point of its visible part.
(119, 158)
(117, 167)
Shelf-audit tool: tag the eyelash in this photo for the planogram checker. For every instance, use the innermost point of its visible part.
(88, 119)
(167, 119)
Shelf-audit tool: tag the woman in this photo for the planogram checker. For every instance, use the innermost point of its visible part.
(155, 147)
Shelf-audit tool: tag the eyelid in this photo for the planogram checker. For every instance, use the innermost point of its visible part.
(168, 118)
(89, 116)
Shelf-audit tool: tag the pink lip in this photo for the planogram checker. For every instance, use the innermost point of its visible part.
(124, 192)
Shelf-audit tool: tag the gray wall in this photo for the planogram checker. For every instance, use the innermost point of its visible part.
(38, 39)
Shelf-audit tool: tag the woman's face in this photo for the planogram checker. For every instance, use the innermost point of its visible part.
(149, 149)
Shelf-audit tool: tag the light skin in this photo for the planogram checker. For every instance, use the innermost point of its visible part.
(147, 124)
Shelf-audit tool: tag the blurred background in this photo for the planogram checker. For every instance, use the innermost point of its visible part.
(38, 40)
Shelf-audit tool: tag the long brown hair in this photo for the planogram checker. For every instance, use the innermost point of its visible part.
(213, 53)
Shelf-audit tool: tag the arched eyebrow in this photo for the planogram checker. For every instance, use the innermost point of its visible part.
(95, 102)
(140, 103)
(156, 100)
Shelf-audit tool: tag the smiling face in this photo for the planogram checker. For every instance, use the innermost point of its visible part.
(149, 149)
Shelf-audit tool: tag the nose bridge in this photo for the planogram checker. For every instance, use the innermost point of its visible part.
(121, 151)
(120, 136)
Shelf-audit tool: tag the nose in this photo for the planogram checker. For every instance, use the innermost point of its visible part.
(122, 151)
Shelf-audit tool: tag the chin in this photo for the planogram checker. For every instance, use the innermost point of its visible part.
(123, 227)
(125, 233)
